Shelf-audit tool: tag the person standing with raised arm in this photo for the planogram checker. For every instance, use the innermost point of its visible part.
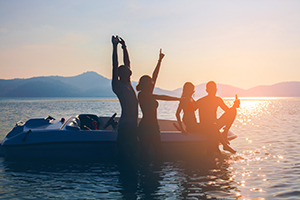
(149, 133)
(121, 86)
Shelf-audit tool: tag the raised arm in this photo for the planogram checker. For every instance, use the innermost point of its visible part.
(115, 64)
(157, 68)
(125, 53)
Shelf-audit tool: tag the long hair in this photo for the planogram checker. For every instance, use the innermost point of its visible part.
(142, 82)
(187, 89)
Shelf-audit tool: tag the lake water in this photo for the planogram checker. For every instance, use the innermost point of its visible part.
(267, 165)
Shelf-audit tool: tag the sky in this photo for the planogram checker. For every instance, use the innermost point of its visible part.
(239, 43)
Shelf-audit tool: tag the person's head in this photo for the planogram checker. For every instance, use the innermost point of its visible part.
(124, 72)
(145, 83)
(211, 88)
(188, 89)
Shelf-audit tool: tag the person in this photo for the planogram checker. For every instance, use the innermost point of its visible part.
(149, 133)
(121, 86)
(188, 106)
(208, 106)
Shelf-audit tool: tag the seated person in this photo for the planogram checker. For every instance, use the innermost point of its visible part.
(208, 106)
(210, 130)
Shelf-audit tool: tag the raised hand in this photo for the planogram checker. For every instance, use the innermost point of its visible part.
(237, 103)
(122, 42)
(115, 40)
(161, 55)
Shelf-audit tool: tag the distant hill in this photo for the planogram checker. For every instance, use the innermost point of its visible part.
(85, 81)
(91, 84)
(37, 88)
(284, 89)
(88, 84)
(223, 91)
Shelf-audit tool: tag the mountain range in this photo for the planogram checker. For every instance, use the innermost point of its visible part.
(91, 84)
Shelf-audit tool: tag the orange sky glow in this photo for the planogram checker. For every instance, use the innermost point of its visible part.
(239, 43)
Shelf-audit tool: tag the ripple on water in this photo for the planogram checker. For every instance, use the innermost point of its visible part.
(266, 165)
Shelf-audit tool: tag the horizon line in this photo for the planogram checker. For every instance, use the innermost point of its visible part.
(137, 81)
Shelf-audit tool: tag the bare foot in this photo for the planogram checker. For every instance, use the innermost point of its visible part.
(228, 148)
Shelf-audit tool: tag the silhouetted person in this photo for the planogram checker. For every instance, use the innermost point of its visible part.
(149, 133)
(121, 85)
(208, 106)
(209, 129)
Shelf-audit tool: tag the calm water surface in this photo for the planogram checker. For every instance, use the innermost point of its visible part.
(267, 165)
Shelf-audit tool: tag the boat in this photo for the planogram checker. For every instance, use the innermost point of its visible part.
(86, 136)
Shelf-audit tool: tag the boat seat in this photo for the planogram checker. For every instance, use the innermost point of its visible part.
(89, 122)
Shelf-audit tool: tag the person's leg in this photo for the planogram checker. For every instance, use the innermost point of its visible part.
(208, 129)
(144, 142)
(215, 137)
(144, 147)
(157, 145)
(212, 147)
(127, 142)
(226, 121)
(120, 142)
(132, 143)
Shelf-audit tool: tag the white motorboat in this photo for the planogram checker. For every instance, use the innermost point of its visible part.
(87, 135)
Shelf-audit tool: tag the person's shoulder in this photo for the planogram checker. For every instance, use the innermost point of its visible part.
(219, 99)
(202, 99)
(115, 82)
(184, 101)
(115, 85)
(143, 95)
(139, 94)
(199, 99)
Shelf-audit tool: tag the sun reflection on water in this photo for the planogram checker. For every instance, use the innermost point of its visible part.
(265, 166)
(261, 125)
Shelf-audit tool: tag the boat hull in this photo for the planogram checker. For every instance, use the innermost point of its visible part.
(54, 140)
(63, 150)
(105, 150)
(175, 146)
